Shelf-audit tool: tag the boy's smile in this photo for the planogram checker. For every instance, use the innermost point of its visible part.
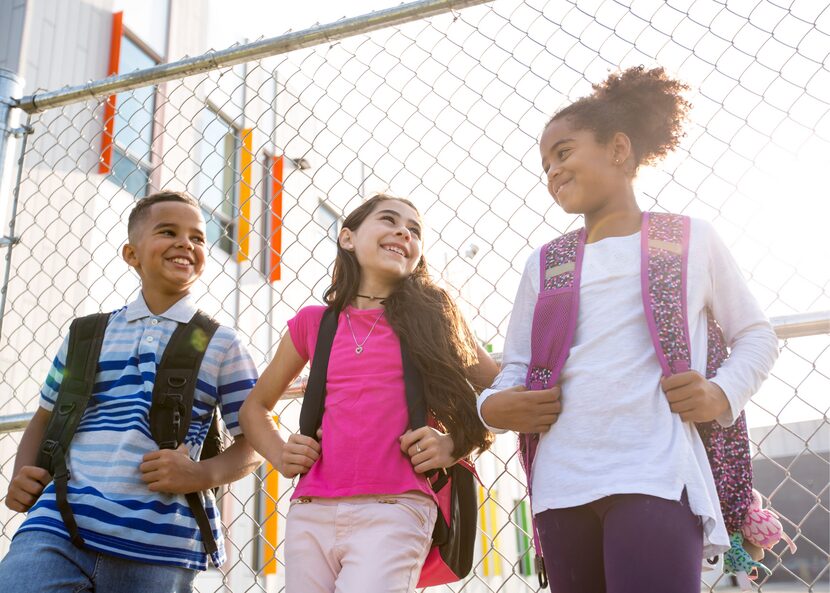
(168, 251)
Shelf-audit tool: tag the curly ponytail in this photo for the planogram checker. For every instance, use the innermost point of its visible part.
(646, 105)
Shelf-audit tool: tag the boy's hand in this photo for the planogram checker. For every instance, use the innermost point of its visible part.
(694, 397)
(298, 455)
(25, 488)
(428, 448)
(521, 410)
(171, 471)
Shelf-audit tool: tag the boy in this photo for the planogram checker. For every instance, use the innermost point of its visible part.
(127, 496)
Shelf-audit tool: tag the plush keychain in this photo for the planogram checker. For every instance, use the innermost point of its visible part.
(762, 529)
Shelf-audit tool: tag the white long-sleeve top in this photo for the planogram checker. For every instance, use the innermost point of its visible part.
(616, 433)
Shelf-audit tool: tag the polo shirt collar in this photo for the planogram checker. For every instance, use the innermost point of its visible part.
(181, 312)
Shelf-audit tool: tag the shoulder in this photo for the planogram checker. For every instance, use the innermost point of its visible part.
(703, 237)
(310, 316)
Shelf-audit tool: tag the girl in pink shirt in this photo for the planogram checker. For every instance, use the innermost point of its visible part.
(362, 514)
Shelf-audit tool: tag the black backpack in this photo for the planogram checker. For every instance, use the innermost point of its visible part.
(170, 410)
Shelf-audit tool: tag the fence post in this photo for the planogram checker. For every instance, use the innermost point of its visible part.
(10, 86)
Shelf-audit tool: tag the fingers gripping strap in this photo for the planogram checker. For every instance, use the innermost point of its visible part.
(311, 412)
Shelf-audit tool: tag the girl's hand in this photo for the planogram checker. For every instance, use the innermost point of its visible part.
(521, 410)
(694, 397)
(298, 455)
(428, 449)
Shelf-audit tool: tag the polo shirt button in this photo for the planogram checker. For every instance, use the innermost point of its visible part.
(155, 322)
(149, 338)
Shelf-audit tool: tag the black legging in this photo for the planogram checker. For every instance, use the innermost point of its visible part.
(624, 543)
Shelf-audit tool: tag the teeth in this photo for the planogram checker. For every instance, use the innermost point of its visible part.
(180, 260)
(395, 250)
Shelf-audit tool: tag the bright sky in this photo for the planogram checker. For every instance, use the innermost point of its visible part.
(233, 21)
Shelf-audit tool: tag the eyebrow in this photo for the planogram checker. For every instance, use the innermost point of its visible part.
(395, 213)
(162, 225)
(558, 143)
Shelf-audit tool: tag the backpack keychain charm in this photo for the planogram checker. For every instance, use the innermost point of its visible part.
(762, 529)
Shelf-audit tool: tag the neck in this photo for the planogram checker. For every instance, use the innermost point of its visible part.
(619, 217)
(158, 303)
(370, 293)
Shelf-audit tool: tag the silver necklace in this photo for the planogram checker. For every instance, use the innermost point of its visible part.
(359, 345)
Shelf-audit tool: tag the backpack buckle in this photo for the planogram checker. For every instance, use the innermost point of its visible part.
(49, 447)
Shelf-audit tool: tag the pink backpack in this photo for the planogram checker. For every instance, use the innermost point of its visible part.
(664, 255)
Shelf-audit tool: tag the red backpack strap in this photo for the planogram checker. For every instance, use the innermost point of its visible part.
(664, 259)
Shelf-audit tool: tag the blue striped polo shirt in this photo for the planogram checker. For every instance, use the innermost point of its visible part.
(115, 512)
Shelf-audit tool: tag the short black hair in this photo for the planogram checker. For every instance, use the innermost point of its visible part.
(142, 208)
(645, 105)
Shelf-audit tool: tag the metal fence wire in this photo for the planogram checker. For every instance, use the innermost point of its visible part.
(445, 110)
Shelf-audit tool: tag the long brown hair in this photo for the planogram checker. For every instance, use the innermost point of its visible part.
(433, 331)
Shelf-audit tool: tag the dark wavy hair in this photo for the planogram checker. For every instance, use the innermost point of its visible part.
(646, 105)
(431, 328)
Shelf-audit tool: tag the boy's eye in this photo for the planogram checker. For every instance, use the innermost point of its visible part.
(563, 153)
(198, 239)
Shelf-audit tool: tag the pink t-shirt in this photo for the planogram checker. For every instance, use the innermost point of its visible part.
(365, 411)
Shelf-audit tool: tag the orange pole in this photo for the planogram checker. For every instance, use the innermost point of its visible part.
(246, 159)
(105, 163)
(269, 525)
(275, 251)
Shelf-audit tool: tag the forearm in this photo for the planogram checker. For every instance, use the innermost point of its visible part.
(261, 431)
(234, 463)
(30, 442)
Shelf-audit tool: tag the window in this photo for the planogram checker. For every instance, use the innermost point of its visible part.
(133, 123)
(218, 178)
(327, 221)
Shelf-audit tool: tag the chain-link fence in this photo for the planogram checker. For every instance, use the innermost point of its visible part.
(445, 110)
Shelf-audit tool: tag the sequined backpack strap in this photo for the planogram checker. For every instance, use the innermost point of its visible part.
(665, 247)
(552, 333)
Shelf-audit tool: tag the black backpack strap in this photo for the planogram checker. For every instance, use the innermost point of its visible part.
(172, 403)
(86, 336)
(314, 399)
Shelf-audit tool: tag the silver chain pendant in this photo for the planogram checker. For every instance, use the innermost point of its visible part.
(358, 350)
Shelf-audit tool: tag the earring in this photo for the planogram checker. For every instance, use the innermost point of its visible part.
(617, 161)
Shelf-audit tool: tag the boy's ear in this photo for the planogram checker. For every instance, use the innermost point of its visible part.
(346, 240)
(128, 255)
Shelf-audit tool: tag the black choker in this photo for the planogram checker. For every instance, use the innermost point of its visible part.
(371, 298)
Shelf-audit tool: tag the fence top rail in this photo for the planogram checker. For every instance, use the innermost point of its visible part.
(264, 48)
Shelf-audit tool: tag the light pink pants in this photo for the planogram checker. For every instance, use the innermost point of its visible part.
(357, 544)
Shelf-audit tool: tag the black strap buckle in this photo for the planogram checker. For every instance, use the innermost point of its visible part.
(49, 447)
(541, 572)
